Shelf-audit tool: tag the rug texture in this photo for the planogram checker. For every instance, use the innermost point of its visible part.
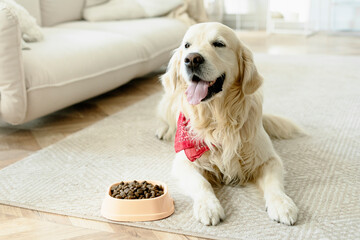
(321, 93)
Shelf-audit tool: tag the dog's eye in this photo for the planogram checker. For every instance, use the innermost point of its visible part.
(187, 45)
(218, 44)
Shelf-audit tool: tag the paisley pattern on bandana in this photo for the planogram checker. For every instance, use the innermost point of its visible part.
(184, 141)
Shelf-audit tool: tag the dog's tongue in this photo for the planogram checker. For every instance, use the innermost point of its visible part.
(196, 92)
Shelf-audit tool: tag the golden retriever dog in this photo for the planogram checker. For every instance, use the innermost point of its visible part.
(213, 106)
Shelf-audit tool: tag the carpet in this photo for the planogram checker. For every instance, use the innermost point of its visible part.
(321, 93)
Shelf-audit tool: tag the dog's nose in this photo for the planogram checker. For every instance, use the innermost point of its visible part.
(193, 60)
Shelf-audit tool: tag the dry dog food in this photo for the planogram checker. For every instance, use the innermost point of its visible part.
(136, 190)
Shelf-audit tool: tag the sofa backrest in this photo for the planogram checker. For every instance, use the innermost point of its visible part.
(52, 12)
(58, 11)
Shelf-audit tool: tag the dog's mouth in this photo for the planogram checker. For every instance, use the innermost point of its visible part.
(201, 90)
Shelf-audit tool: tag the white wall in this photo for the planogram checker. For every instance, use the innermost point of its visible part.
(326, 15)
(252, 12)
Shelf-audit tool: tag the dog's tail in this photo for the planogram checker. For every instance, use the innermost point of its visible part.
(281, 128)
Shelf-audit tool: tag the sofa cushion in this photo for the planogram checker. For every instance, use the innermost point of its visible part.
(69, 55)
(90, 3)
(130, 9)
(156, 35)
(58, 11)
(72, 65)
(33, 7)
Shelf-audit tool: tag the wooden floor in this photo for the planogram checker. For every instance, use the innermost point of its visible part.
(17, 142)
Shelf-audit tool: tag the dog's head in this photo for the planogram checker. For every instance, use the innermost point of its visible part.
(210, 61)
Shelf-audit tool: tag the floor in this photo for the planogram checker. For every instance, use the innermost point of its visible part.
(17, 142)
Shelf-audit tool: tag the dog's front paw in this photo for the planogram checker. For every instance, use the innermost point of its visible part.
(282, 209)
(208, 210)
(164, 132)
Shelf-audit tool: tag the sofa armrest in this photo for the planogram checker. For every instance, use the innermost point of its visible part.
(12, 79)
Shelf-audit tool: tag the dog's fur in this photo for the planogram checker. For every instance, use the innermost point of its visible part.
(231, 123)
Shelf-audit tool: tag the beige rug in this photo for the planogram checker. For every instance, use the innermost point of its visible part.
(322, 93)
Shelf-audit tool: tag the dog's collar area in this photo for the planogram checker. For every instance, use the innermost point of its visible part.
(184, 140)
(215, 87)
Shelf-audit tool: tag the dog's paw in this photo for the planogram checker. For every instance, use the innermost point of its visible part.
(208, 210)
(163, 132)
(282, 209)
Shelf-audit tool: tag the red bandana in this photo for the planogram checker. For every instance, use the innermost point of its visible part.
(192, 148)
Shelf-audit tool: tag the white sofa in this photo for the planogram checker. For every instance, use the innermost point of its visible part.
(77, 59)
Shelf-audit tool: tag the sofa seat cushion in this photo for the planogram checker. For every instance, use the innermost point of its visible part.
(68, 55)
(76, 62)
(156, 35)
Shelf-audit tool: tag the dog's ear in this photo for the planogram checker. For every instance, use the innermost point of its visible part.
(170, 79)
(250, 79)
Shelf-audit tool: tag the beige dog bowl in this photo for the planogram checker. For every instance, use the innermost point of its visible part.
(138, 209)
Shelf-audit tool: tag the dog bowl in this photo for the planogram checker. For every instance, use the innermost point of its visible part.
(137, 209)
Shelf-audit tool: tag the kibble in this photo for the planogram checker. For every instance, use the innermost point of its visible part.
(136, 190)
